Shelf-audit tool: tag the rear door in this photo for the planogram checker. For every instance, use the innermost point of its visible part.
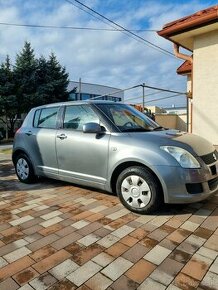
(40, 141)
(81, 156)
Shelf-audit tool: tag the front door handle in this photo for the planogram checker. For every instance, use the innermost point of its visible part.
(29, 133)
(62, 136)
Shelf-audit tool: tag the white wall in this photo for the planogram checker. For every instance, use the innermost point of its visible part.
(205, 86)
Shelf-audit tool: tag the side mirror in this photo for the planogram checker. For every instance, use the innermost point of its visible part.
(92, 128)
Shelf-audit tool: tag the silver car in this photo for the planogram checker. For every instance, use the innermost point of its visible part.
(114, 147)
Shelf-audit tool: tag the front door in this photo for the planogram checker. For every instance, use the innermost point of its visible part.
(82, 157)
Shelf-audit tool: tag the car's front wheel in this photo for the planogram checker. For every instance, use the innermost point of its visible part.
(24, 169)
(139, 190)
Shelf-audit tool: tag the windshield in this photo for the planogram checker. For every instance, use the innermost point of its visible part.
(127, 118)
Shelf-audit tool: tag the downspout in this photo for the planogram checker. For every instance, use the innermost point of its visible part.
(190, 59)
(181, 55)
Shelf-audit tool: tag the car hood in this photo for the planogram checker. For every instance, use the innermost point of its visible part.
(196, 144)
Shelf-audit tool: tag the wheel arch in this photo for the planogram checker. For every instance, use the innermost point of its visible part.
(127, 164)
(19, 151)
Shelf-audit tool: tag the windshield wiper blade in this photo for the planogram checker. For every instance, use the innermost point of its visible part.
(136, 130)
(158, 128)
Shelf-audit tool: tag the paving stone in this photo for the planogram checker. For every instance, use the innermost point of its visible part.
(185, 282)
(43, 242)
(82, 274)
(189, 226)
(65, 241)
(129, 241)
(103, 259)
(117, 250)
(197, 267)
(207, 253)
(51, 215)
(157, 255)
(135, 253)
(15, 267)
(210, 281)
(25, 276)
(140, 271)
(51, 261)
(17, 254)
(211, 243)
(21, 220)
(42, 253)
(179, 235)
(123, 231)
(3, 262)
(99, 282)
(124, 283)
(214, 267)
(80, 224)
(63, 269)
(63, 285)
(51, 222)
(180, 256)
(116, 268)
(151, 284)
(43, 282)
(9, 284)
(26, 287)
(89, 239)
(86, 254)
(108, 241)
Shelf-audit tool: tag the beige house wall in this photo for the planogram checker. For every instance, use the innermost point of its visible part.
(172, 121)
(205, 86)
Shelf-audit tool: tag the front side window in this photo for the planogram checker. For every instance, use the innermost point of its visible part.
(76, 116)
(46, 118)
(127, 119)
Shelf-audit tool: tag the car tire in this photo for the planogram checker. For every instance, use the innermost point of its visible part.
(139, 190)
(24, 169)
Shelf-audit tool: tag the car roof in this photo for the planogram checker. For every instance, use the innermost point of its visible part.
(78, 103)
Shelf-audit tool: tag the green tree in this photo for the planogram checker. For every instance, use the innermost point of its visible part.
(57, 80)
(25, 78)
(8, 100)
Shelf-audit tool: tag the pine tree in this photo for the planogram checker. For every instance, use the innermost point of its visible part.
(25, 77)
(8, 100)
(57, 80)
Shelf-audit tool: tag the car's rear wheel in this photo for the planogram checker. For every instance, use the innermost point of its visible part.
(139, 190)
(24, 169)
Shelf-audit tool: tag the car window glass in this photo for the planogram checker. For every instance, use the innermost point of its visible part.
(36, 118)
(48, 118)
(76, 116)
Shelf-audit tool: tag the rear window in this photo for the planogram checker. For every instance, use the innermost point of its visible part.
(46, 118)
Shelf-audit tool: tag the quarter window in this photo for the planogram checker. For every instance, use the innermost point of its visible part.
(47, 118)
(76, 116)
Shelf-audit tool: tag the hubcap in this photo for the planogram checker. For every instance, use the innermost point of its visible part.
(22, 168)
(136, 191)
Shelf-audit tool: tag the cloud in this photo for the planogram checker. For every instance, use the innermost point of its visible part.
(109, 58)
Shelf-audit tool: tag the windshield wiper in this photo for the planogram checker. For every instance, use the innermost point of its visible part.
(137, 130)
(159, 128)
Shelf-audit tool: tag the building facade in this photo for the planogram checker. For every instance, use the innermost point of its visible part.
(198, 33)
(85, 91)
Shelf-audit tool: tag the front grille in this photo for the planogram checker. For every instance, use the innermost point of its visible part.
(210, 158)
(213, 169)
(213, 183)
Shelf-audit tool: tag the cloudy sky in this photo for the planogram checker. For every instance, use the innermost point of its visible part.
(103, 57)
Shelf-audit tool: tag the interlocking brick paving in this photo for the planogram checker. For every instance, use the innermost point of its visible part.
(58, 236)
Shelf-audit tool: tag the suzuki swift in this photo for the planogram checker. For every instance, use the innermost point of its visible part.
(114, 147)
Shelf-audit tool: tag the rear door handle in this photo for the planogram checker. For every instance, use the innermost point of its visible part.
(62, 136)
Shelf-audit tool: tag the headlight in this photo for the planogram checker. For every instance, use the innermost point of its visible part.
(185, 159)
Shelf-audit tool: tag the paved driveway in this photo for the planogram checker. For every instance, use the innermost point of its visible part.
(58, 236)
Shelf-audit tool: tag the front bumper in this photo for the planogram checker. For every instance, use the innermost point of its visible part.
(188, 185)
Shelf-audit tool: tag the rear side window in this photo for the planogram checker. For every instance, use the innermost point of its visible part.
(76, 116)
(46, 118)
